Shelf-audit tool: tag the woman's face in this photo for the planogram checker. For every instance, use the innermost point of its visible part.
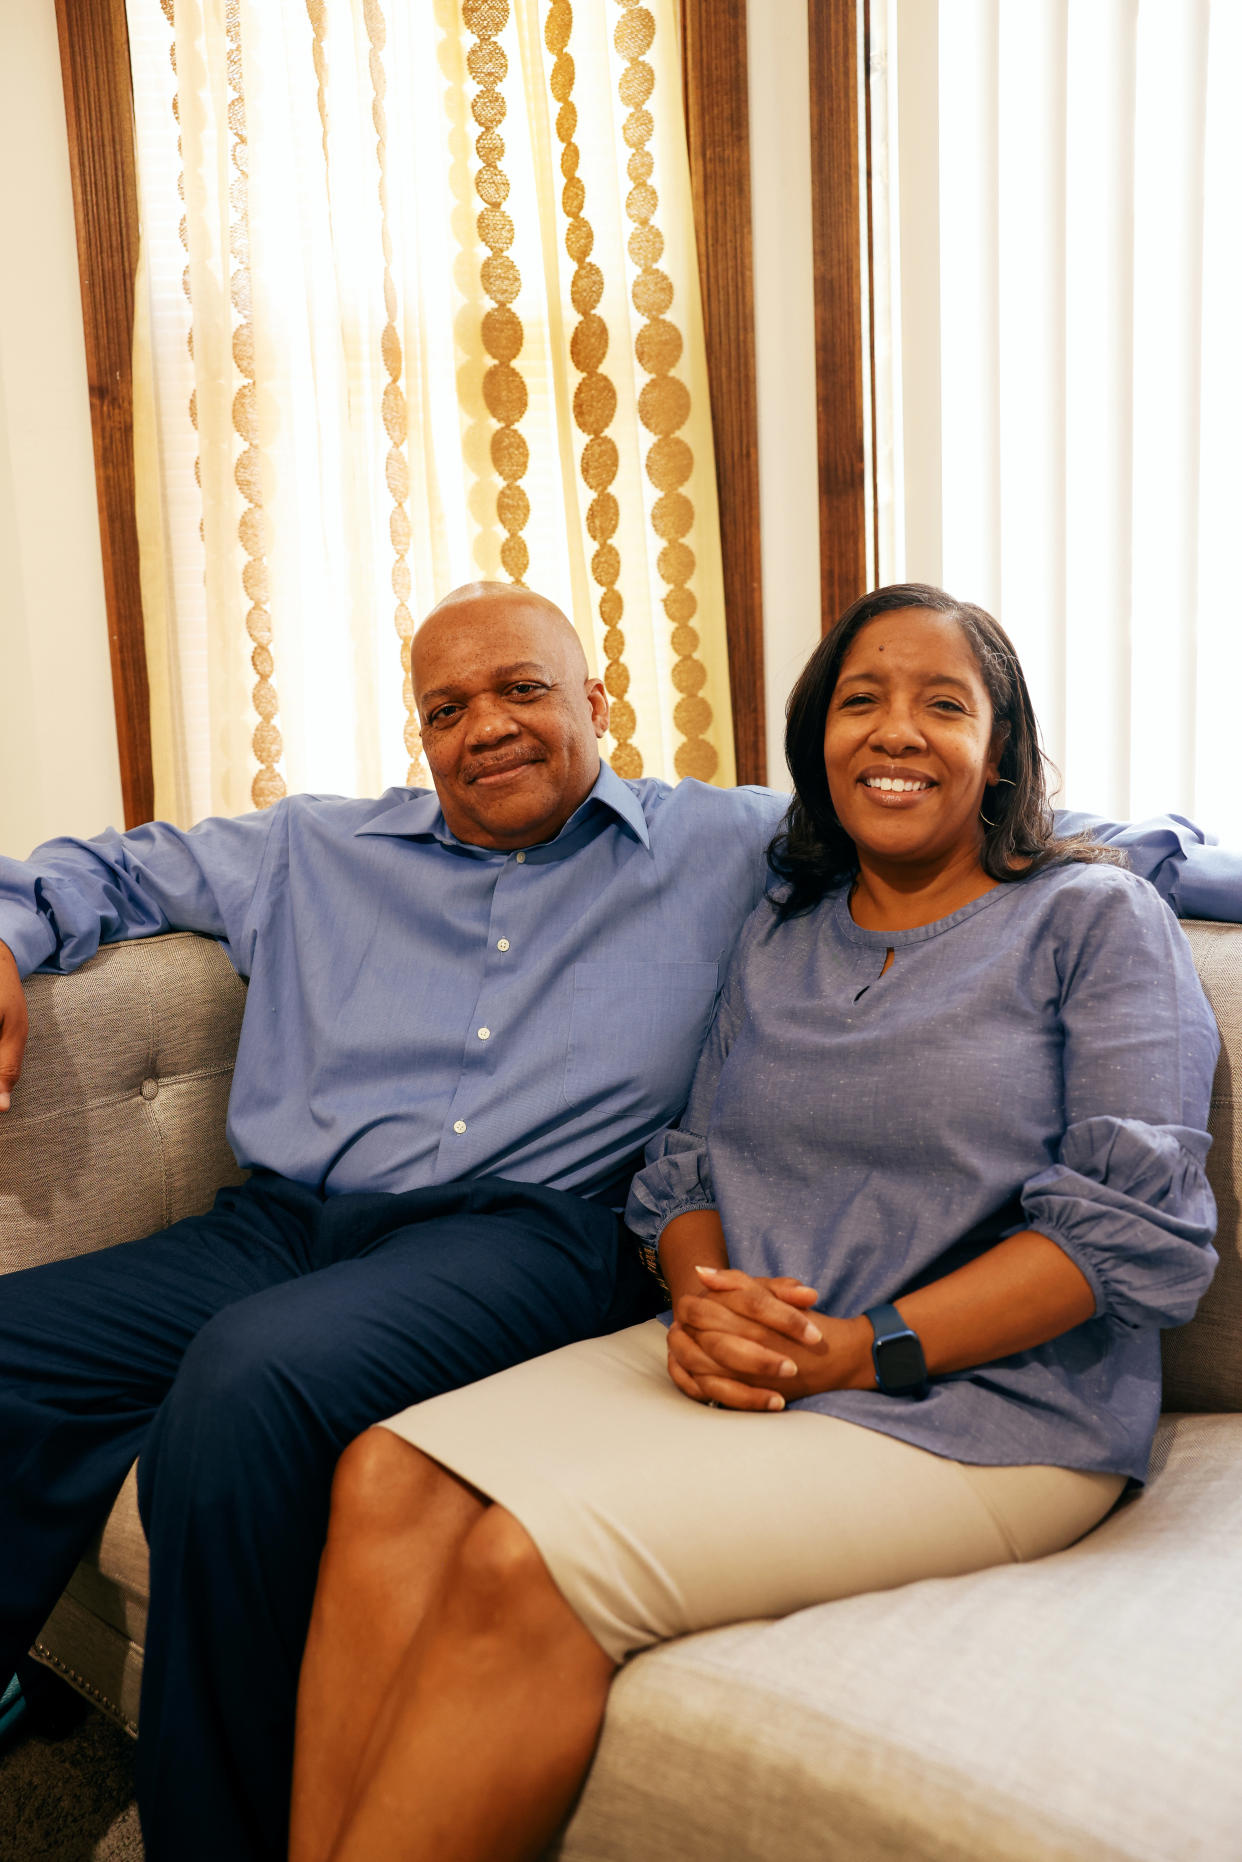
(909, 742)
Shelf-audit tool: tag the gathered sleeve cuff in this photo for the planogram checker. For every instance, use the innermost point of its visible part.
(677, 1176)
(1130, 1204)
(675, 1179)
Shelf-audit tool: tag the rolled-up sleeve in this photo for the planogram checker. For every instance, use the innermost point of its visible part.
(677, 1175)
(1127, 1197)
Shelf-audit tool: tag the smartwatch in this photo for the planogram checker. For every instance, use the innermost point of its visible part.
(900, 1367)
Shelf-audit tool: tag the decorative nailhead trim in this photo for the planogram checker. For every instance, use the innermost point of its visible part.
(84, 1686)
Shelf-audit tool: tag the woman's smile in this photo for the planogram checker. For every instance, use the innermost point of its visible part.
(893, 787)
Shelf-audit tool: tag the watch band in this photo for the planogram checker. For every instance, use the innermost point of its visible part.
(896, 1353)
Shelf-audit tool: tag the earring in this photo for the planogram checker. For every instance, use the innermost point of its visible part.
(995, 785)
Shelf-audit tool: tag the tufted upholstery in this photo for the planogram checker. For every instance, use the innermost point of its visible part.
(117, 1126)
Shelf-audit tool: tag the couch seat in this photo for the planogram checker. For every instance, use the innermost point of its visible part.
(1086, 1708)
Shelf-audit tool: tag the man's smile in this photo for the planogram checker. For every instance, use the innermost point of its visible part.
(500, 770)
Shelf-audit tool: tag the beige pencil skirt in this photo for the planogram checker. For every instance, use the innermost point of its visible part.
(657, 1516)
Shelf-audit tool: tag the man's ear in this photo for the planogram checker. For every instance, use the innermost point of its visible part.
(597, 699)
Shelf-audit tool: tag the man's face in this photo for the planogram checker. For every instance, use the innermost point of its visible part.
(510, 719)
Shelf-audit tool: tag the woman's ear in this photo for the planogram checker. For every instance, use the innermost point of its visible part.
(996, 750)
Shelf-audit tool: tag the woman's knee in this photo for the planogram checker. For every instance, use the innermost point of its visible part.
(503, 1599)
(382, 1484)
(500, 1574)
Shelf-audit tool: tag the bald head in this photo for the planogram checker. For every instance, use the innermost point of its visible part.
(511, 716)
(478, 604)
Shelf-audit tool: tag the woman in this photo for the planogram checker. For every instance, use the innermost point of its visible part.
(938, 1186)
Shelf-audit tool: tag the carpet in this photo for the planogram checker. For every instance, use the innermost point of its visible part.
(67, 1784)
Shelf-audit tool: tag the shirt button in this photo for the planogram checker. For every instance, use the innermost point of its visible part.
(521, 859)
(503, 944)
(459, 1125)
(485, 1034)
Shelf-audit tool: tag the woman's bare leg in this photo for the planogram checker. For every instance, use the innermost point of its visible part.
(396, 1525)
(492, 1721)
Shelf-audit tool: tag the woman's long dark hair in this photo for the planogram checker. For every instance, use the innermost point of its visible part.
(812, 852)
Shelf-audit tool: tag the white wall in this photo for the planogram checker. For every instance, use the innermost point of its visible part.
(58, 758)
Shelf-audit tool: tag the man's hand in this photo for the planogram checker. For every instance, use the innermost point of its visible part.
(748, 1343)
(13, 1025)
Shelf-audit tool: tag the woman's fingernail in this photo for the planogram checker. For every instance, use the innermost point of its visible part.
(811, 1333)
(707, 1270)
(776, 1402)
(787, 1368)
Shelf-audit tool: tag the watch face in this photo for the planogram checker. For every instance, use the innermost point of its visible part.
(899, 1362)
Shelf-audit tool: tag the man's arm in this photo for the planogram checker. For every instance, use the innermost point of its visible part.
(1191, 873)
(70, 897)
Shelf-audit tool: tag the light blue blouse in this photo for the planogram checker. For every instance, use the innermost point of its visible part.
(1042, 1059)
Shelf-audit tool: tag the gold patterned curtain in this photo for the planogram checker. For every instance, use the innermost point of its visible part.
(418, 304)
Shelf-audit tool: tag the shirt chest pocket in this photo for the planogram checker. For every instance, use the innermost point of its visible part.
(635, 1033)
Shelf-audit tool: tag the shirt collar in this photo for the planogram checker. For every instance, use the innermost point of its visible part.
(415, 814)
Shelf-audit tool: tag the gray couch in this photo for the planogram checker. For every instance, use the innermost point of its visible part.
(1084, 1709)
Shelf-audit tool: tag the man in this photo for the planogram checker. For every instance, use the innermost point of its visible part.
(467, 1013)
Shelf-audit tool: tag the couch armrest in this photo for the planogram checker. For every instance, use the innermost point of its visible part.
(1203, 1360)
(117, 1123)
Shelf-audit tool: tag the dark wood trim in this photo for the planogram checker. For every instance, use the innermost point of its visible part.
(718, 134)
(94, 58)
(837, 244)
(870, 302)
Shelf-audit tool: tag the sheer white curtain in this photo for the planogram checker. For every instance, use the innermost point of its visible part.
(419, 304)
(1059, 389)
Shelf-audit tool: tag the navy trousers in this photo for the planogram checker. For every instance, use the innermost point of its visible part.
(236, 1354)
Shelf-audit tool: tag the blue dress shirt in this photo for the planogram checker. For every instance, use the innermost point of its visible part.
(422, 1010)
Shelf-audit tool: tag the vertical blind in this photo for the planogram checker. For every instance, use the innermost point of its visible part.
(418, 305)
(1059, 441)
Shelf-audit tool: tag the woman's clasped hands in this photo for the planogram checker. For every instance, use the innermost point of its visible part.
(742, 1341)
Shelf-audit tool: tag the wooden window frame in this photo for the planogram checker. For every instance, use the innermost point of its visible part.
(837, 203)
(95, 70)
(717, 108)
(715, 65)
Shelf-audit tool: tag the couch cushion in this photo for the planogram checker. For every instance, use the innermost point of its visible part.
(117, 1125)
(1203, 1360)
(1086, 1706)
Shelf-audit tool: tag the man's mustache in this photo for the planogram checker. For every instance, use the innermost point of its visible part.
(493, 765)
